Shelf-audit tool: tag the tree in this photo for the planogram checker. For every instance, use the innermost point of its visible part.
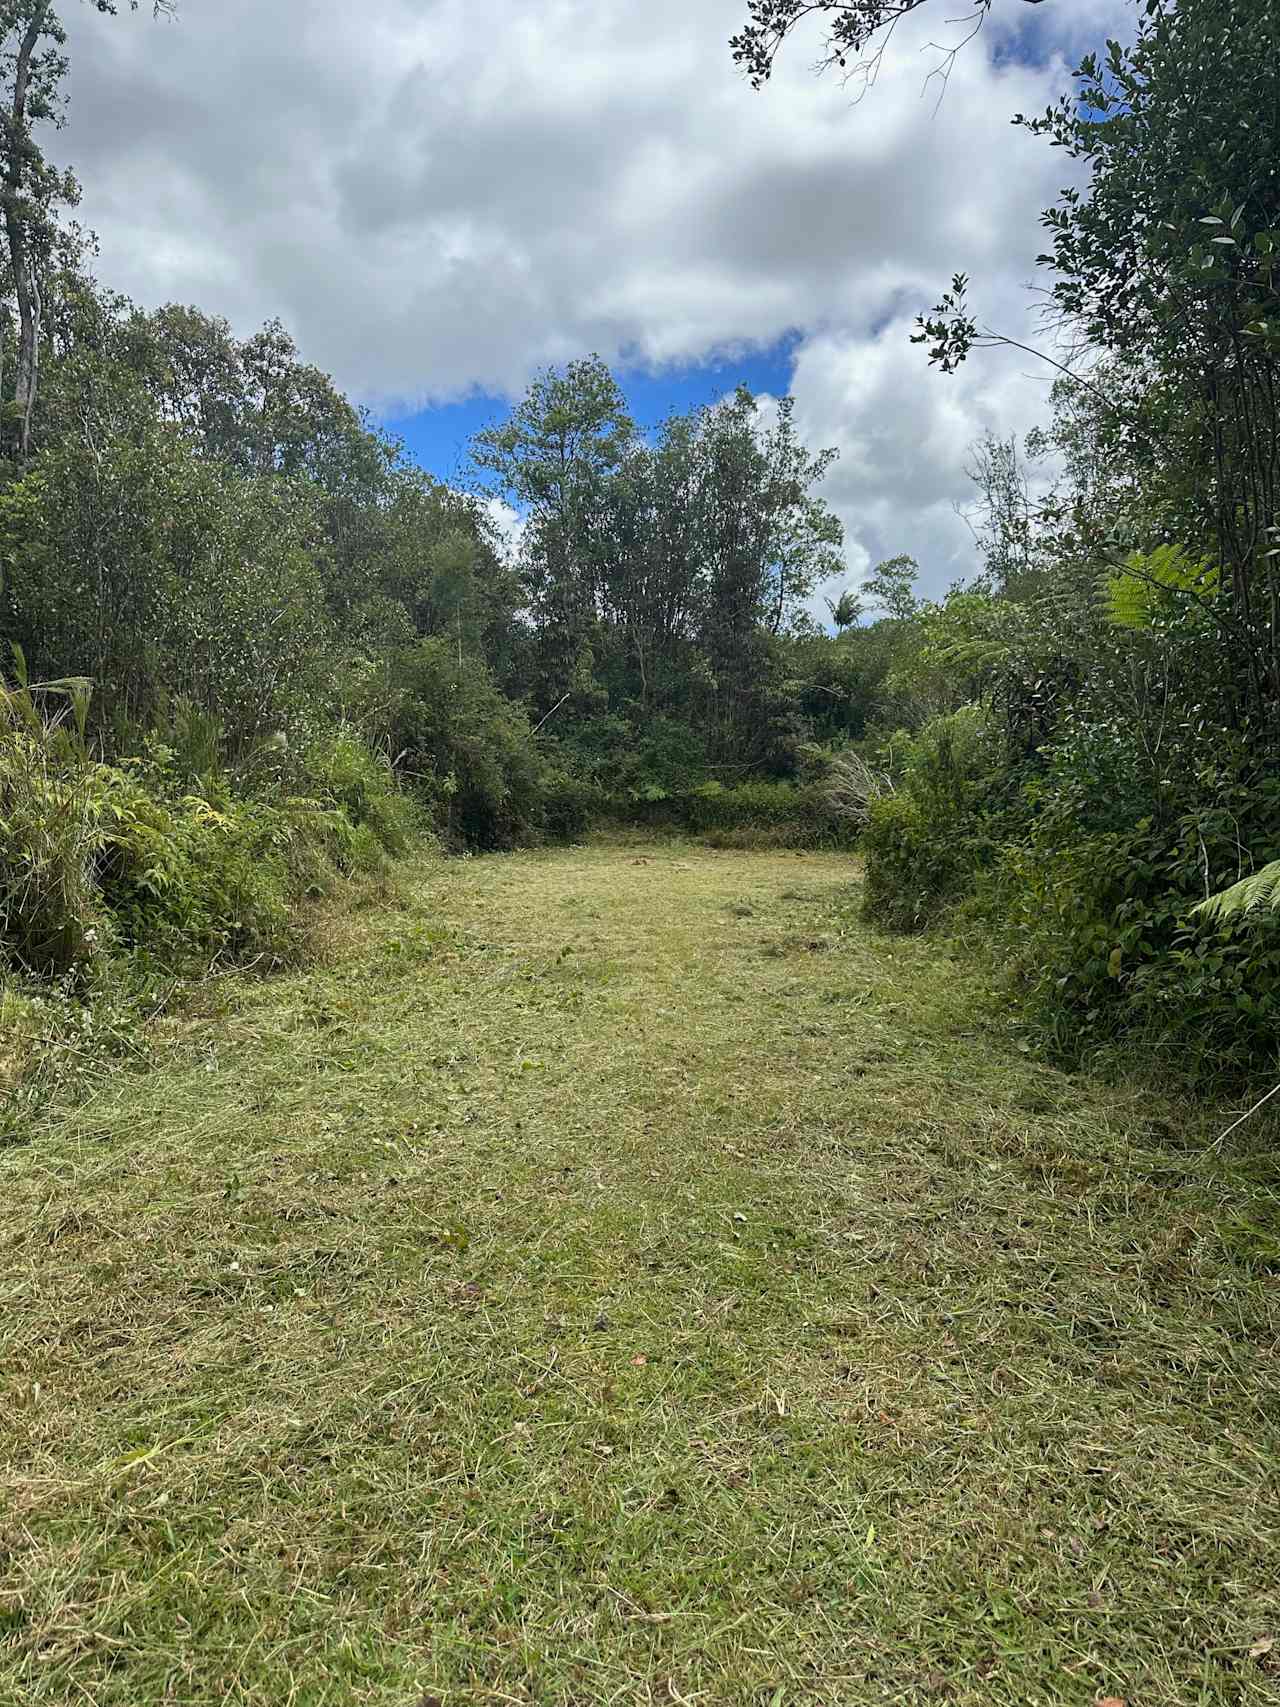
(890, 585)
(1003, 521)
(845, 610)
(853, 27)
(662, 572)
(554, 457)
(1168, 262)
(32, 66)
(161, 575)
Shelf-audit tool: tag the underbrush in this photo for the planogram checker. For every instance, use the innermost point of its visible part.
(746, 815)
(1107, 953)
(121, 883)
(952, 809)
(1083, 894)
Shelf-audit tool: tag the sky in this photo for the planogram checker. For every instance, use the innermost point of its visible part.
(440, 197)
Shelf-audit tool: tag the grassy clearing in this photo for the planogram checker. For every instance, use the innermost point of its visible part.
(621, 1278)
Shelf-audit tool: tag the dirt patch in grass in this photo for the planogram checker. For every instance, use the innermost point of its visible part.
(621, 1278)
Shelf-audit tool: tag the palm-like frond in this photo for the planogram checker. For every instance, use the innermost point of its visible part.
(1132, 591)
(1260, 891)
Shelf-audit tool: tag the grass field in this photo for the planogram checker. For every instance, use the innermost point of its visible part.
(616, 1276)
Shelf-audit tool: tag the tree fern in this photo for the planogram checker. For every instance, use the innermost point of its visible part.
(1132, 594)
(1259, 891)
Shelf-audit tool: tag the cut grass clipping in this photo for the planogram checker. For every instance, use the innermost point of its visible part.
(622, 1278)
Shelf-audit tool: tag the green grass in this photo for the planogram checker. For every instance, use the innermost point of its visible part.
(618, 1277)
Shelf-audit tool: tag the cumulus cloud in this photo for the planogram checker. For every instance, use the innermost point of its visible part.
(439, 196)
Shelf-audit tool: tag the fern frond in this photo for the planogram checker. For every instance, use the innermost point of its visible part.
(1131, 595)
(1252, 894)
(979, 652)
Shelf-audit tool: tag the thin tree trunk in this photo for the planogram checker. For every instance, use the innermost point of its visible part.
(25, 285)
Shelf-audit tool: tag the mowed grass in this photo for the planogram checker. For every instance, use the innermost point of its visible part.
(621, 1277)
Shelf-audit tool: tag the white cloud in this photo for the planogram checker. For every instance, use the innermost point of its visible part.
(442, 195)
(508, 524)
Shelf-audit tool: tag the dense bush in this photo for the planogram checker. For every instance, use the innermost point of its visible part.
(569, 807)
(130, 859)
(745, 814)
(914, 866)
(1106, 950)
(48, 837)
(184, 883)
(464, 747)
(340, 768)
(163, 577)
(925, 844)
(759, 814)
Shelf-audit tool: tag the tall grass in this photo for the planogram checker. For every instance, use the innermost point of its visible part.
(49, 830)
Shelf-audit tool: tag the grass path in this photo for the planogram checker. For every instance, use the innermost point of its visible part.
(619, 1277)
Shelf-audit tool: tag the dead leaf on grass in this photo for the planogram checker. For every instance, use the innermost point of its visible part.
(1262, 1647)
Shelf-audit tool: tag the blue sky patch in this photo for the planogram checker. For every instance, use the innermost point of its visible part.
(438, 437)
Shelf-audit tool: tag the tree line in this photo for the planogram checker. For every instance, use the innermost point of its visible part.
(243, 623)
(1097, 788)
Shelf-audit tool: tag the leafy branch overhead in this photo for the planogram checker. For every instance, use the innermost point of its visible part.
(852, 28)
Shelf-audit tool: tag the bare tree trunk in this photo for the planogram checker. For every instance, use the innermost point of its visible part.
(25, 285)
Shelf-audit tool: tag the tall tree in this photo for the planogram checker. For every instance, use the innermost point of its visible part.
(1168, 261)
(33, 64)
(553, 458)
(891, 587)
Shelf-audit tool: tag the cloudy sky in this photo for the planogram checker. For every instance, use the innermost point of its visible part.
(440, 196)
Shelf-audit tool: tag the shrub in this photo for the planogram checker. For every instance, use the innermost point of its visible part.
(466, 750)
(135, 858)
(193, 880)
(166, 577)
(745, 815)
(925, 845)
(913, 866)
(49, 838)
(1107, 949)
(569, 806)
(341, 769)
(759, 814)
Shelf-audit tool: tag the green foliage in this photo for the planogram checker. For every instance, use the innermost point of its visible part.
(1111, 945)
(913, 866)
(955, 649)
(48, 837)
(672, 565)
(1259, 892)
(925, 843)
(891, 584)
(665, 758)
(755, 814)
(162, 577)
(845, 610)
(569, 805)
(1152, 582)
(467, 750)
(188, 881)
(341, 770)
(104, 860)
